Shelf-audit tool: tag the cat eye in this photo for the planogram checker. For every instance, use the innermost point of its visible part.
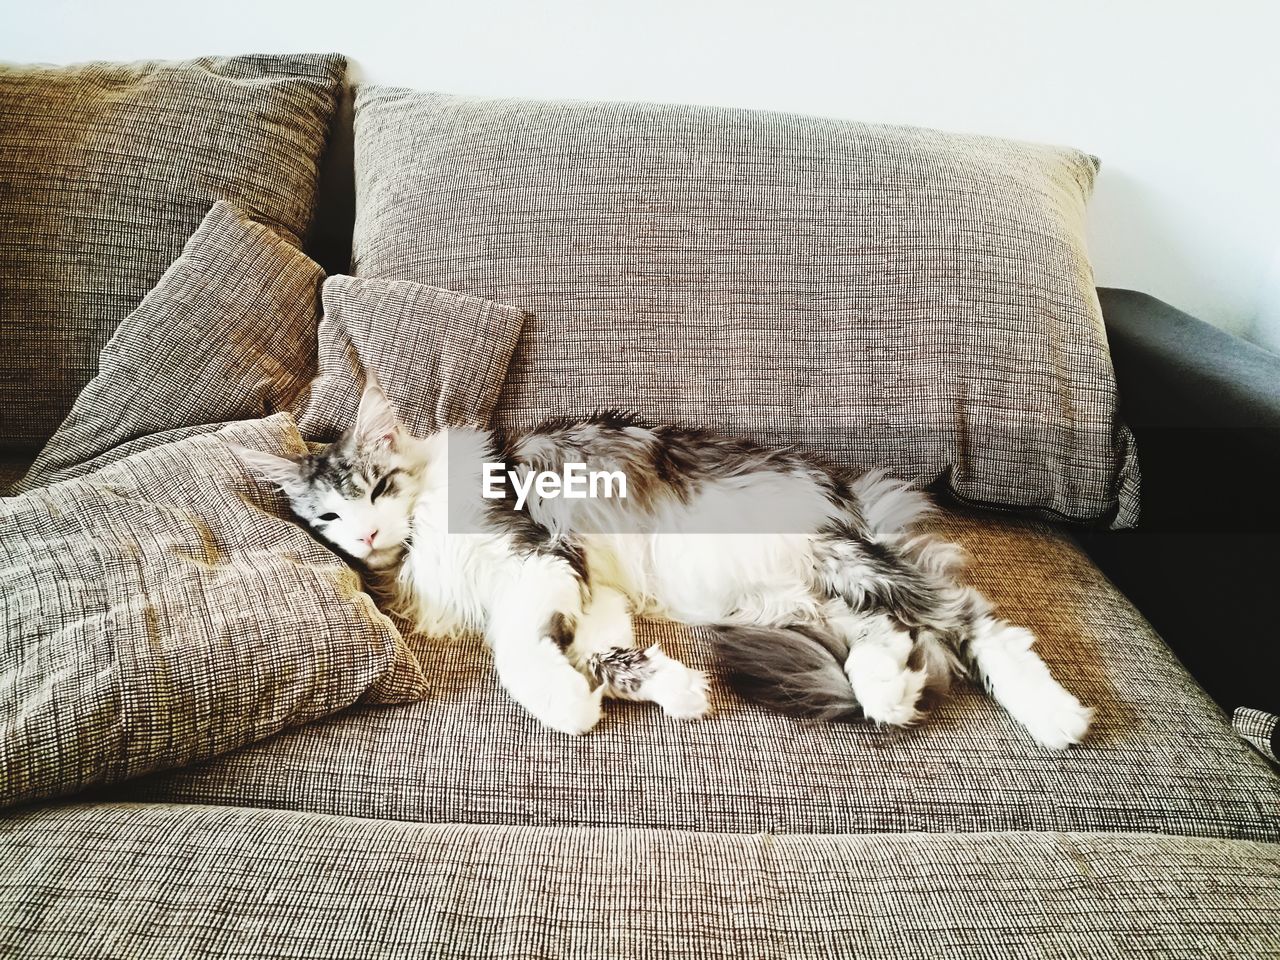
(327, 517)
(381, 486)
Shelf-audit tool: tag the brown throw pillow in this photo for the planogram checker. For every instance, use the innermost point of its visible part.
(105, 171)
(228, 333)
(161, 612)
(887, 295)
(441, 356)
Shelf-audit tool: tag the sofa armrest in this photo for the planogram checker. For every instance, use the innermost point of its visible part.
(1205, 409)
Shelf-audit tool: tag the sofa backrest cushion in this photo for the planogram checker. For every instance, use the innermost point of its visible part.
(105, 171)
(886, 295)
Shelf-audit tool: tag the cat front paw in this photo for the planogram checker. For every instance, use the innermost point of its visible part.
(1055, 718)
(542, 681)
(575, 711)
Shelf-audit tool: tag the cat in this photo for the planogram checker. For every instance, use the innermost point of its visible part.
(821, 599)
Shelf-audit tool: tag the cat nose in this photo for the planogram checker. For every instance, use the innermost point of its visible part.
(368, 538)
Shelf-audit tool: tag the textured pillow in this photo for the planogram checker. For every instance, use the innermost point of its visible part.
(161, 612)
(441, 356)
(106, 169)
(1260, 728)
(890, 296)
(228, 333)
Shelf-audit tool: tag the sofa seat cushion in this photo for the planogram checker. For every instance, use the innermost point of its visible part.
(1161, 756)
(123, 880)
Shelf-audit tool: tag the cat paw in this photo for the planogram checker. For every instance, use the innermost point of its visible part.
(886, 689)
(681, 692)
(542, 681)
(574, 710)
(1055, 718)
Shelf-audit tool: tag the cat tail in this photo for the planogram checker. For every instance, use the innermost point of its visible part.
(797, 670)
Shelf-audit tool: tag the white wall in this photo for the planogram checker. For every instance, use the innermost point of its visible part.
(1181, 100)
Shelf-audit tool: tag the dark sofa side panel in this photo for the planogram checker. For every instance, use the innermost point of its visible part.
(1203, 563)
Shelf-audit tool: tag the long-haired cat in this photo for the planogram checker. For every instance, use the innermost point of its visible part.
(823, 602)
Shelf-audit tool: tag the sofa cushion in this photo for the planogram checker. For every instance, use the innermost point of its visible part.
(116, 880)
(1260, 728)
(105, 171)
(1161, 756)
(228, 333)
(441, 356)
(162, 611)
(889, 296)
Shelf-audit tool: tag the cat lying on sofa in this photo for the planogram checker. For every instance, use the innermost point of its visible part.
(823, 602)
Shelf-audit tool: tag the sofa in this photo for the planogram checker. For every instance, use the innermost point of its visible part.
(192, 258)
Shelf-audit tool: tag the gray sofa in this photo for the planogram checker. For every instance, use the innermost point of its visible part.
(456, 826)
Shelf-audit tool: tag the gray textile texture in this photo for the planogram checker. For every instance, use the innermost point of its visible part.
(1160, 758)
(174, 881)
(1260, 728)
(105, 171)
(890, 296)
(229, 333)
(162, 611)
(441, 356)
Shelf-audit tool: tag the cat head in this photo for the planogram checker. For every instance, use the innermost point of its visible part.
(358, 495)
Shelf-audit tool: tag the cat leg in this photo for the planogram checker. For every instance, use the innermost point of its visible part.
(531, 627)
(604, 645)
(879, 667)
(1020, 682)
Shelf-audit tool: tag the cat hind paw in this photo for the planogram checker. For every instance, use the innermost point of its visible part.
(680, 691)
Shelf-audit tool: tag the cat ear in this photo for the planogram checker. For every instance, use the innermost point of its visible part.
(376, 420)
(281, 471)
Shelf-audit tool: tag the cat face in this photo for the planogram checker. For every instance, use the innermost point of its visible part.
(358, 495)
(358, 499)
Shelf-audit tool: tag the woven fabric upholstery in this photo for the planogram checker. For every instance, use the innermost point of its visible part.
(12, 469)
(105, 171)
(229, 333)
(1160, 758)
(1260, 728)
(441, 356)
(889, 296)
(161, 611)
(99, 881)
